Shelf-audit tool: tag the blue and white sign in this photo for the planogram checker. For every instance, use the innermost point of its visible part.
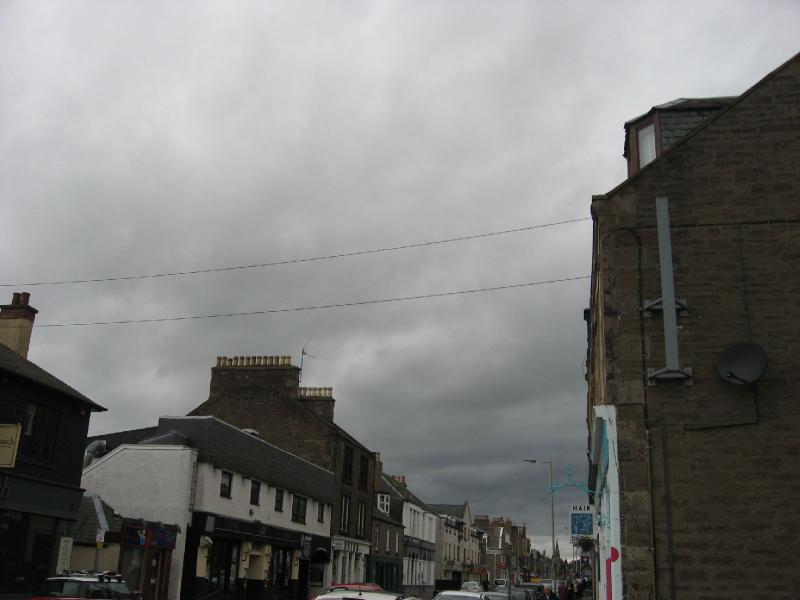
(581, 521)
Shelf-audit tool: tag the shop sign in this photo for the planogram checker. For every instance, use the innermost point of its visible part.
(581, 521)
(149, 536)
(9, 442)
(306, 546)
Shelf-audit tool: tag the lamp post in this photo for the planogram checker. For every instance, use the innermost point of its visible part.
(552, 517)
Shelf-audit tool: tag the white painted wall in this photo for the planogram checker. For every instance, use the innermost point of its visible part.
(238, 505)
(151, 482)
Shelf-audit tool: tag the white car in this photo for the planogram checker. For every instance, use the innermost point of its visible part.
(454, 595)
(471, 586)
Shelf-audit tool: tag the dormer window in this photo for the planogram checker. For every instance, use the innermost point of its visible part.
(383, 503)
(646, 144)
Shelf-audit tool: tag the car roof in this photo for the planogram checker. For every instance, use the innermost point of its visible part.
(358, 595)
(457, 593)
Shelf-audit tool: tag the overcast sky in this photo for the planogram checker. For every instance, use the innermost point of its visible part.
(149, 137)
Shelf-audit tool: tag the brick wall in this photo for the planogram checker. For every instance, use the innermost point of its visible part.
(719, 460)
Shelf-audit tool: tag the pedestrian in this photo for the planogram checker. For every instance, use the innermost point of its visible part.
(562, 591)
(548, 593)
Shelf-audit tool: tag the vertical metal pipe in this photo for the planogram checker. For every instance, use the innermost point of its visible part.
(667, 285)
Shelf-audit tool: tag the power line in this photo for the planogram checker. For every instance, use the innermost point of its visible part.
(317, 307)
(294, 260)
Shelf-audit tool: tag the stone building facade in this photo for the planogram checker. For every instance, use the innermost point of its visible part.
(263, 393)
(695, 459)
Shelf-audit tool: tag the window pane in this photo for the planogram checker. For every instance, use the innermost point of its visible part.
(225, 482)
(647, 145)
(279, 500)
(255, 492)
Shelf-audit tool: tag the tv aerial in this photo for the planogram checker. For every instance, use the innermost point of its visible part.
(303, 355)
(742, 364)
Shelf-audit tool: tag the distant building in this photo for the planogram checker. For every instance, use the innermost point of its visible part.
(386, 560)
(508, 549)
(458, 544)
(419, 541)
(695, 287)
(254, 519)
(263, 393)
(41, 495)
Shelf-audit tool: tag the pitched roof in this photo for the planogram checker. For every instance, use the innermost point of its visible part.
(452, 510)
(15, 364)
(401, 489)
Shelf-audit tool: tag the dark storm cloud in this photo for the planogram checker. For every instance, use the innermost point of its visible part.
(142, 137)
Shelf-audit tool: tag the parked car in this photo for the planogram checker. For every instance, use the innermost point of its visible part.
(80, 585)
(340, 590)
(471, 586)
(458, 595)
(342, 594)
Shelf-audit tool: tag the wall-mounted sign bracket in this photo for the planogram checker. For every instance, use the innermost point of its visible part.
(669, 310)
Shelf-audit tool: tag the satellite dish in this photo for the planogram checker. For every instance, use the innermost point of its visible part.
(742, 363)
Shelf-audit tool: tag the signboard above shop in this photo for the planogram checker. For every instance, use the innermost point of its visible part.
(9, 442)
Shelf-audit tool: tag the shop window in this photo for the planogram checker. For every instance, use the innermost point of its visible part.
(299, 509)
(347, 466)
(39, 431)
(255, 492)
(225, 484)
(320, 512)
(279, 500)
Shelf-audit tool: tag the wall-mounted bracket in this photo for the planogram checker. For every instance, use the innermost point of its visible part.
(654, 375)
(651, 306)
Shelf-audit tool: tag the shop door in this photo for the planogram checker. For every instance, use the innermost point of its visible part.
(280, 569)
(302, 579)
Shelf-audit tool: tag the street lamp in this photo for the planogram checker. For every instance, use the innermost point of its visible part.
(552, 516)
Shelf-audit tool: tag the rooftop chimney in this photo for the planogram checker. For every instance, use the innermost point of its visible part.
(318, 399)
(16, 323)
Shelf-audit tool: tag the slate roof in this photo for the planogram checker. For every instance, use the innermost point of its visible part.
(399, 489)
(452, 510)
(15, 364)
(223, 445)
(88, 522)
(711, 103)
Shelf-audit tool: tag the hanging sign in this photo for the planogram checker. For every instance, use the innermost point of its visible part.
(581, 521)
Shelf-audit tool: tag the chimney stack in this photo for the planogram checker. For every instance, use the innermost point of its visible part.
(16, 323)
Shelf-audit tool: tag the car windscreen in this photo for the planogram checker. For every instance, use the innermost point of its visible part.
(64, 588)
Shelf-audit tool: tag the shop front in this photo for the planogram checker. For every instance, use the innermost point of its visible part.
(233, 559)
(145, 555)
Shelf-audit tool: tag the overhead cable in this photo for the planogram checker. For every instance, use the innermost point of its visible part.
(294, 260)
(317, 307)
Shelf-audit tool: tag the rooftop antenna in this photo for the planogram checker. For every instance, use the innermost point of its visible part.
(303, 355)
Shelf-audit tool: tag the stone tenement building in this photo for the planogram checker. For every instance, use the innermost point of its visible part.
(263, 393)
(694, 451)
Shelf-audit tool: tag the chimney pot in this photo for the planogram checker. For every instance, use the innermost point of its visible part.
(15, 298)
(17, 318)
(24, 298)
